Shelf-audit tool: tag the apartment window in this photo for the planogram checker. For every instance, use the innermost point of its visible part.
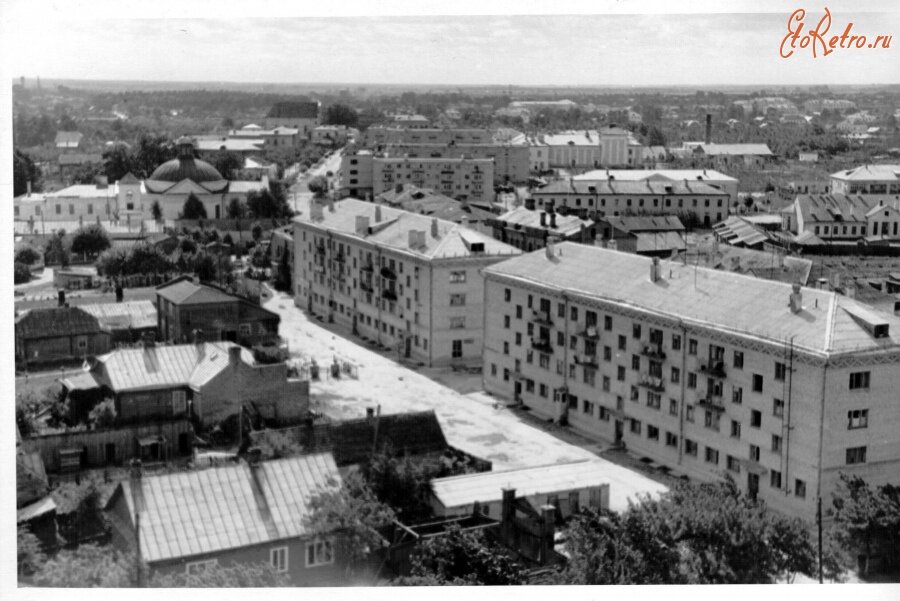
(457, 349)
(676, 375)
(459, 277)
(507, 295)
(757, 383)
(590, 377)
(606, 383)
(607, 353)
(654, 401)
(179, 401)
(652, 433)
(799, 488)
(776, 443)
(494, 370)
(587, 407)
(635, 393)
(739, 359)
(635, 426)
(560, 339)
(278, 557)
(518, 338)
(692, 346)
(574, 313)
(755, 418)
(506, 321)
(603, 414)
(561, 310)
(544, 361)
(692, 380)
(671, 439)
(732, 464)
(856, 455)
(530, 301)
(506, 348)
(529, 386)
(607, 323)
(198, 567)
(735, 429)
(319, 553)
(754, 452)
(711, 419)
(636, 362)
(620, 373)
(676, 342)
(689, 413)
(636, 331)
(860, 380)
(518, 311)
(673, 407)
(457, 300)
(858, 418)
(690, 447)
(775, 479)
(622, 342)
(737, 395)
(778, 407)
(542, 390)
(712, 456)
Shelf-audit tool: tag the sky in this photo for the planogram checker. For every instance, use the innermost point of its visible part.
(706, 43)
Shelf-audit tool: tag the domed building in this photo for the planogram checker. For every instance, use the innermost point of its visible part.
(171, 183)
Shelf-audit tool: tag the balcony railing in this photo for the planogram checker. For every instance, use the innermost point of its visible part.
(541, 344)
(340, 258)
(653, 350)
(654, 383)
(711, 401)
(367, 286)
(587, 360)
(367, 267)
(590, 333)
(388, 273)
(541, 317)
(715, 369)
(389, 294)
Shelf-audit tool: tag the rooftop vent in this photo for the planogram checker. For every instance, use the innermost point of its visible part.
(654, 270)
(796, 299)
(870, 321)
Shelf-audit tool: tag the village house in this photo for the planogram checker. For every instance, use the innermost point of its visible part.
(843, 218)
(651, 236)
(246, 513)
(704, 371)
(410, 282)
(58, 334)
(186, 310)
(529, 230)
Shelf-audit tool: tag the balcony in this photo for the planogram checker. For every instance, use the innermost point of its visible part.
(714, 369)
(653, 350)
(541, 317)
(367, 267)
(320, 249)
(388, 273)
(711, 401)
(389, 294)
(586, 360)
(340, 258)
(367, 286)
(653, 383)
(542, 345)
(590, 333)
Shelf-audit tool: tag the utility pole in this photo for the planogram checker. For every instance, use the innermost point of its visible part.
(819, 527)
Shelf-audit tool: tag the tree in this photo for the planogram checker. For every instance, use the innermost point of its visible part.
(256, 231)
(283, 280)
(355, 513)
(24, 171)
(276, 445)
(103, 415)
(256, 575)
(205, 267)
(866, 520)
(156, 211)
(706, 533)
(88, 566)
(118, 162)
(655, 136)
(339, 114)
(21, 273)
(28, 550)
(318, 186)
(90, 240)
(57, 250)
(193, 208)
(268, 205)
(227, 163)
(236, 209)
(27, 255)
(112, 263)
(463, 558)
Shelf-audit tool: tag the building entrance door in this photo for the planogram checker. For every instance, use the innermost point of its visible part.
(620, 431)
(752, 485)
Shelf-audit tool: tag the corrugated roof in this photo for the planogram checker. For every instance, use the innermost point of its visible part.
(565, 224)
(197, 512)
(869, 173)
(165, 366)
(453, 240)
(701, 296)
(130, 314)
(737, 230)
(645, 186)
(659, 241)
(56, 321)
(185, 292)
(486, 487)
(635, 224)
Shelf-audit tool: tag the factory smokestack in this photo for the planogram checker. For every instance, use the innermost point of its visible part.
(708, 128)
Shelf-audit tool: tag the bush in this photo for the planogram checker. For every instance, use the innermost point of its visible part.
(103, 415)
(28, 255)
(21, 273)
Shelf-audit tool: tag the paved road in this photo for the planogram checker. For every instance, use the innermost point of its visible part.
(299, 193)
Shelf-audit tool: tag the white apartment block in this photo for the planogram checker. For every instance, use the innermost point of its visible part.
(610, 198)
(723, 182)
(405, 280)
(704, 371)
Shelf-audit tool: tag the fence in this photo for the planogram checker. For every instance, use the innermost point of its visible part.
(838, 249)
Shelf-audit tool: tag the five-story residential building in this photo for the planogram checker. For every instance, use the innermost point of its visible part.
(706, 372)
(404, 280)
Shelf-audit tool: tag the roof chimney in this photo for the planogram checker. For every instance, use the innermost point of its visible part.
(553, 220)
(377, 213)
(708, 128)
(434, 228)
(28, 188)
(550, 250)
(796, 299)
(362, 225)
(654, 270)
(234, 354)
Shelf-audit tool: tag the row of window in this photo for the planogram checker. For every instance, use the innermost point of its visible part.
(318, 553)
(562, 201)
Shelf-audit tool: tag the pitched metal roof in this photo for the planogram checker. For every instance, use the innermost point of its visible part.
(56, 321)
(487, 487)
(869, 173)
(165, 366)
(645, 186)
(185, 292)
(731, 302)
(661, 174)
(453, 240)
(130, 314)
(221, 508)
(736, 149)
(565, 224)
(638, 223)
(835, 207)
(68, 139)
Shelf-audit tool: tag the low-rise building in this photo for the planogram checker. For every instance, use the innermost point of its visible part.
(432, 204)
(58, 334)
(704, 371)
(842, 218)
(727, 155)
(258, 512)
(185, 308)
(713, 178)
(879, 180)
(652, 236)
(529, 230)
(405, 280)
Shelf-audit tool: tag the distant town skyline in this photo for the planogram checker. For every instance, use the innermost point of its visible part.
(555, 50)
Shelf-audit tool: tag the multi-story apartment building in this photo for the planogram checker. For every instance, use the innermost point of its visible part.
(405, 280)
(590, 149)
(704, 371)
(711, 177)
(511, 162)
(593, 199)
(356, 178)
(381, 135)
(868, 179)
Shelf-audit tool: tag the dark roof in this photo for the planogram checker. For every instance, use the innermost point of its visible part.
(183, 168)
(294, 110)
(640, 223)
(129, 179)
(56, 321)
(31, 478)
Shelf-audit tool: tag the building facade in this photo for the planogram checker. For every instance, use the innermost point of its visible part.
(867, 180)
(460, 178)
(529, 230)
(407, 281)
(710, 177)
(703, 371)
(843, 218)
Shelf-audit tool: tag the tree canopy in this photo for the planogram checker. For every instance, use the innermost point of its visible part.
(866, 519)
(227, 163)
(193, 208)
(24, 171)
(340, 114)
(91, 240)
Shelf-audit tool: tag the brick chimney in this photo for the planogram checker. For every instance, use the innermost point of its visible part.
(234, 355)
(708, 137)
(548, 529)
(654, 270)
(553, 220)
(377, 213)
(434, 228)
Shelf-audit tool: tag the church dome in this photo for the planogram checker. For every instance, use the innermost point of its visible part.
(185, 166)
